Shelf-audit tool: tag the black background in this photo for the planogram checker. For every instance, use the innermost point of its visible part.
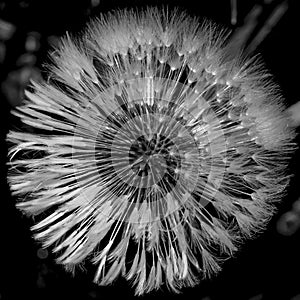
(266, 268)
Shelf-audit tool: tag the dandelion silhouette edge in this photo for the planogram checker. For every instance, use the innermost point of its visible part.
(146, 135)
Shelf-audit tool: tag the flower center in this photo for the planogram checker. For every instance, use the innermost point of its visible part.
(151, 157)
(147, 154)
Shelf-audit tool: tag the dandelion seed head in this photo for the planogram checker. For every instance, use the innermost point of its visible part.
(145, 139)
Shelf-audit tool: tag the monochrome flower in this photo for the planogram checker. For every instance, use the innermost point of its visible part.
(148, 151)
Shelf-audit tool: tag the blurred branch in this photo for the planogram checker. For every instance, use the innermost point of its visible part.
(233, 11)
(253, 31)
(270, 23)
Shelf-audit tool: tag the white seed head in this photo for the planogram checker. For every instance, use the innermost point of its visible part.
(147, 139)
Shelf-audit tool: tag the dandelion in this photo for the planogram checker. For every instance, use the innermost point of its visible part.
(148, 151)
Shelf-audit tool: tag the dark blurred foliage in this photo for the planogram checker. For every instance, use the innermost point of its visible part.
(266, 268)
